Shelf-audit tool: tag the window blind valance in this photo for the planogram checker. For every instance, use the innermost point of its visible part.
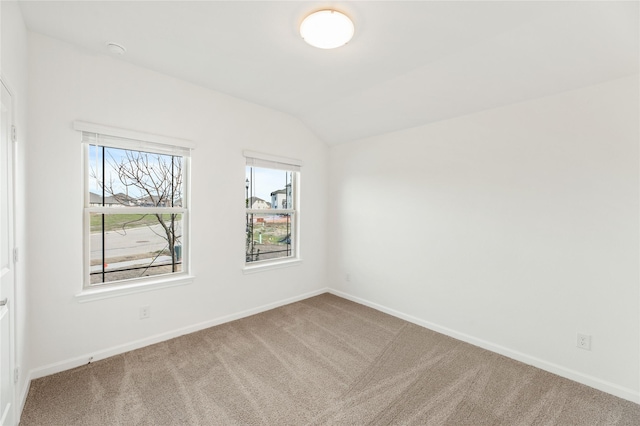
(96, 134)
(258, 159)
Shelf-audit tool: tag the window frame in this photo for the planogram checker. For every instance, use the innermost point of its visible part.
(268, 161)
(109, 137)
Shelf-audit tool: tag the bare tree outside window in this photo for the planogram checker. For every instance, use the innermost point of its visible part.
(128, 178)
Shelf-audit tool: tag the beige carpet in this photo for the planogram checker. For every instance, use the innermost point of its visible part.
(322, 361)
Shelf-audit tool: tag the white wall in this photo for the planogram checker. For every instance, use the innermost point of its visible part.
(513, 228)
(14, 71)
(67, 84)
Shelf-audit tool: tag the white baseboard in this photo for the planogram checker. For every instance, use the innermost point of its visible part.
(22, 398)
(137, 344)
(576, 376)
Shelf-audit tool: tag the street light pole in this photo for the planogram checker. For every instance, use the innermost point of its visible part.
(246, 185)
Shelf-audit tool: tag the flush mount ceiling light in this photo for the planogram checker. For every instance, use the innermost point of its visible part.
(116, 49)
(327, 29)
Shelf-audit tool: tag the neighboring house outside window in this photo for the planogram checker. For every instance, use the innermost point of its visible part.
(258, 203)
(279, 199)
(136, 215)
(117, 200)
(272, 229)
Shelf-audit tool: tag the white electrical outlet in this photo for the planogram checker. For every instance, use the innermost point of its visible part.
(145, 312)
(348, 277)
(584, 341)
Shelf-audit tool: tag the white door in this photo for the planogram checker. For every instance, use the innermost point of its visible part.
(7, 272)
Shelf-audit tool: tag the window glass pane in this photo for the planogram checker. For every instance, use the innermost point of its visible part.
(268, 236)
(135, 245)
(127, 178)
(268, 188)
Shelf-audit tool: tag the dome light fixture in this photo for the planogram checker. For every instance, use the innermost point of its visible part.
(327, 29)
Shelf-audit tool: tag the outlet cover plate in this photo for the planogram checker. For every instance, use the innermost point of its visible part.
(584, 341)
(145, 312)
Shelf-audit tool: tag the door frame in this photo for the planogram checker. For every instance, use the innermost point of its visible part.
(12, 160)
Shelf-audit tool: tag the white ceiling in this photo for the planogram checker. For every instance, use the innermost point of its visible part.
(409, 63)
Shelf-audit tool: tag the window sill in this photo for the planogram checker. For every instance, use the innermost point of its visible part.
(271, 265)
(99, 293)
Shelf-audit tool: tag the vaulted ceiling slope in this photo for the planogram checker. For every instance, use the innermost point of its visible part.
(409, 63)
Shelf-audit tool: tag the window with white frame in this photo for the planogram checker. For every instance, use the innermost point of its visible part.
(136, 212)
(272, 208)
